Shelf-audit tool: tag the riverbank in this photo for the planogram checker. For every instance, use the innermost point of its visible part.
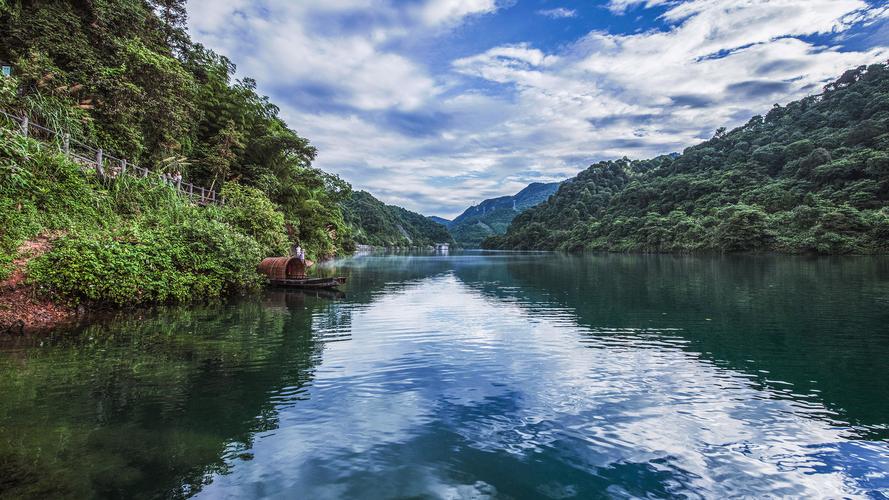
(73, 241)
(21, 309)
(361, 249)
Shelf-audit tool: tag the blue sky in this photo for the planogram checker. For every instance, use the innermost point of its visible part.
(435, 105)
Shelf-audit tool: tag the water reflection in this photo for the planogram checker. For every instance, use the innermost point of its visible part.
(473, 376)
(811, 327)
(148, 406)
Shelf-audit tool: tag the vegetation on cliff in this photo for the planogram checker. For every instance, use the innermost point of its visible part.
(493, 216)
(125, 75)
(377, 224)
(809, 177)
(127, 240)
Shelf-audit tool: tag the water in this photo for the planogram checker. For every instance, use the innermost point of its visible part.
(473, 376)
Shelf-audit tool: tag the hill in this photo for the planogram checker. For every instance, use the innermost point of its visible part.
(492, 216)
(809, 177)
(127, 77)
(82, 239)
(439, 220)
(374, 223)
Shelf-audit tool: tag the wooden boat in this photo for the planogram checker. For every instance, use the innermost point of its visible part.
(309, 282)
(291, 272)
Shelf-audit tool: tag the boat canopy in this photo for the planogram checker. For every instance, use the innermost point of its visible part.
(284, 268)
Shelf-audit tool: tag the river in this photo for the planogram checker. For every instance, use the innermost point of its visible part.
(474, 375)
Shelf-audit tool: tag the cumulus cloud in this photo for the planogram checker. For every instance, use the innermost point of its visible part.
(440, 137)
(280, 45)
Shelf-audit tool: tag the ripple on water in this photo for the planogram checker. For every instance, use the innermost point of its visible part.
(509, 377)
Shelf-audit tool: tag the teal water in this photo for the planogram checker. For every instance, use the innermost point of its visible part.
(473, 376)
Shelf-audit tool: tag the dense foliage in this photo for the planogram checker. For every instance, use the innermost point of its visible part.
(809, 177)
(127, 240)
(493, 216)
(124, 74)
(377, 224)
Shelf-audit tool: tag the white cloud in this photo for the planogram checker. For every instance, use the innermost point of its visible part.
(558, 13)
(278, 45)
(439, 140)
(438, 12)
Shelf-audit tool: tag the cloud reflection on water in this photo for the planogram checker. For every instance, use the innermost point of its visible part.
(449, 392)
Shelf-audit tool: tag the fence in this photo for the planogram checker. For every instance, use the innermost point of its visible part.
(108, 166)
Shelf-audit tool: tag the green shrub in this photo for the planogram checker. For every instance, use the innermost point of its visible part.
(128, 240)
(742, 228)
(198, 258)
(250, 210)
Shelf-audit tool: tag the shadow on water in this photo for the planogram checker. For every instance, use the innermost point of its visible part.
(803, 327)
(139, 407)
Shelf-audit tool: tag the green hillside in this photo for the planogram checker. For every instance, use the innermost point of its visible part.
(374, 223)
(128, 240)
(809, 177)
(125, 75)
(493, 216)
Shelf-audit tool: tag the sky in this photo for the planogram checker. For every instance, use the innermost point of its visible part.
(436, 105)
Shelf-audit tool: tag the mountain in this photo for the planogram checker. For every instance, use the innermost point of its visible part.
(377, 224)
(809, 177)
(492, 217)
(439, 220)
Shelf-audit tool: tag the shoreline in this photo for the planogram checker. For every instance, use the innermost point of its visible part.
(23, 311)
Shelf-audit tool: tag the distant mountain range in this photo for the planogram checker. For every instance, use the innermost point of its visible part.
(491, 217)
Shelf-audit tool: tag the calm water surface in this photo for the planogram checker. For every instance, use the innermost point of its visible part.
(473, 376)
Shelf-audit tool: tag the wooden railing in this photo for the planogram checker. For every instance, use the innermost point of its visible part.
(106, 165)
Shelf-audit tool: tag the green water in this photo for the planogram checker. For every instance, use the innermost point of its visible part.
(473, 376)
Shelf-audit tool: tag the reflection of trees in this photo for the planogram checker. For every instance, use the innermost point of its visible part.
(147, 405)
(140, 407)
(816, 323)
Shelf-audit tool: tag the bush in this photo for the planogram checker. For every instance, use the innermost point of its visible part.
(127, 241)
(197, 258)
(742, 228)
(250, 210)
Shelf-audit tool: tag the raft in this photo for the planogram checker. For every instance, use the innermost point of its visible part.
(309, 282)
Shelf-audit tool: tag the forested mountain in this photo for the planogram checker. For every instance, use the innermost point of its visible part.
(377, 224)
(439, 220)
(125, 75)
(809, 177)
(492, 217)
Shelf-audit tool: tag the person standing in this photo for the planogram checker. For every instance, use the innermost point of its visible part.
(299, 253)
